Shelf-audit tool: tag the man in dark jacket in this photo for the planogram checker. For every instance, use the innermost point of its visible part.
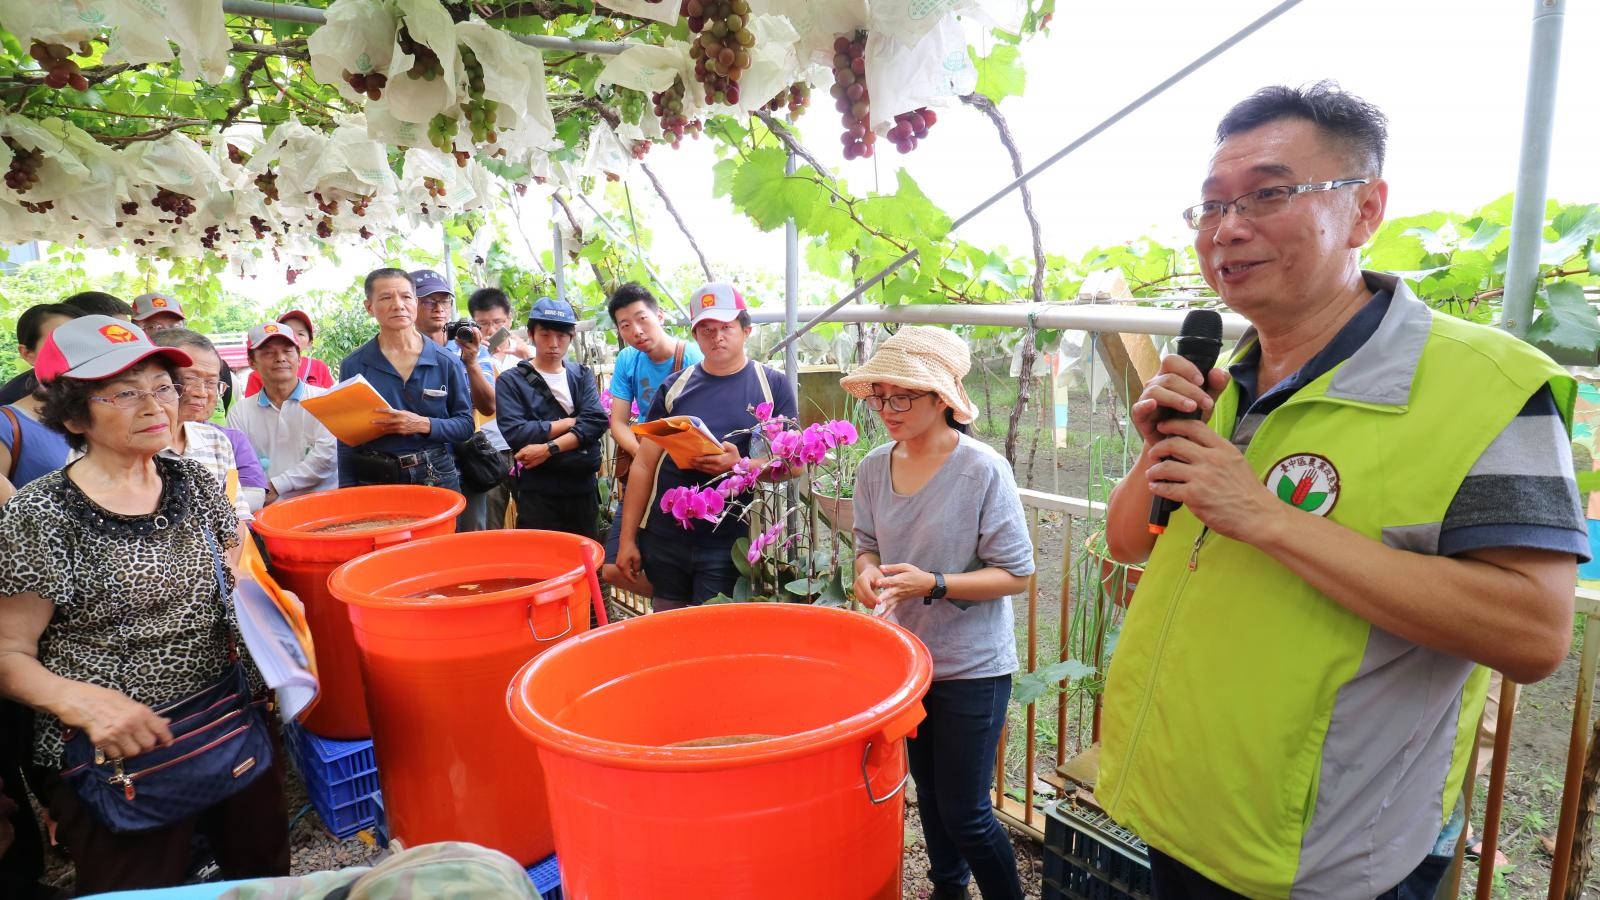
(550, 414)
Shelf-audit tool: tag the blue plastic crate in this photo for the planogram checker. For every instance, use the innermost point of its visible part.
(341, 778)
(546, 878)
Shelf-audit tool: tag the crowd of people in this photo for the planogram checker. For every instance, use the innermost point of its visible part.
(1289, 707)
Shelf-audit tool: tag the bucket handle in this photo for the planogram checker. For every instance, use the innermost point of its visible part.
(391, 538)
(866, 778)
(550, 597)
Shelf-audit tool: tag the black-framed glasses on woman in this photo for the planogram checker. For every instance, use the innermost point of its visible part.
(166, 395)
(895, 402)
(1257, 204)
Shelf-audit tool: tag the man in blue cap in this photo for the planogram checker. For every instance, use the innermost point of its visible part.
(550, 413)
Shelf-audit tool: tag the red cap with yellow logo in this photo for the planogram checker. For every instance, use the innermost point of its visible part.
(716, 302)
(95, 347)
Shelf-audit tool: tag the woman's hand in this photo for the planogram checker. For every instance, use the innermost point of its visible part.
(866, 585)
(115, 723)
(903, 581)
(398, 421)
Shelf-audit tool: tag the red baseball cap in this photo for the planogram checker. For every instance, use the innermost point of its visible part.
(92, 348)
(303, 316)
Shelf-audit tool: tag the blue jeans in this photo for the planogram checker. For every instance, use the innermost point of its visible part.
(952, 762)
(686, 570)
(1175, 881)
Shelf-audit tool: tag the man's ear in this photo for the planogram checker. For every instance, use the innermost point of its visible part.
(1371, 202)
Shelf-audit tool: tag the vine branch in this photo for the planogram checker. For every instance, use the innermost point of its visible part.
(1029, 348)
(682, 225)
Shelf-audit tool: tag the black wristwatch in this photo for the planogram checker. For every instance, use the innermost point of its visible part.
(553, 447)
(938, 591)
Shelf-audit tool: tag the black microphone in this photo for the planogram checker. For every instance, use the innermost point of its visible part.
(1199, 341)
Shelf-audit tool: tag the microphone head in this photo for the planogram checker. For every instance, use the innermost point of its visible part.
(1202, 323)
(1200, 338)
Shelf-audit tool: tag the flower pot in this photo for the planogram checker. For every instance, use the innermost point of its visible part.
(839, 511)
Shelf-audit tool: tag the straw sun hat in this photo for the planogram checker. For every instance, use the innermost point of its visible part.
(923, 358)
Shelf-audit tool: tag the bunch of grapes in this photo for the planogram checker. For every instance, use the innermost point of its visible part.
(911, 127)
(796, 97)
(369, 83)
(366, 233)
(24, 171)
(180, 205)
(41, 208)
(721, 48)
(850, 94)
(669, 109)
(461, 158)
(290, 274)
(236, 156)
(358, 205)
(639, 149)
(60, 68)
(260, 227)
(267, 184)
(325, 228)
(442, 132)
(425, 65)
(130, 209)
(478, 111)
(209, 239)
(434, 186)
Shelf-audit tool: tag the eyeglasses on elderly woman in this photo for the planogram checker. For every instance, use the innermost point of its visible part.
(166, 395)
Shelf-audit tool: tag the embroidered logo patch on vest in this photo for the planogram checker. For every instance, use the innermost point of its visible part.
(1305, 481)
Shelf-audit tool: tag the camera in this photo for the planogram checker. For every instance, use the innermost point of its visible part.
(453, 329)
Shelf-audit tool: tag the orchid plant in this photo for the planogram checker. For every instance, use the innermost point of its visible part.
(783, 561)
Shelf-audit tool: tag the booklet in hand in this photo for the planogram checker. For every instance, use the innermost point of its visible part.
(347, 410)
(683, 437)
(273, 625)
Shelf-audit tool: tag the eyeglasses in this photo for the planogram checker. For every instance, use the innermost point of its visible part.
(166, 395)
(895, 402)
(210, 387)
(440, 301)
(1257, 204)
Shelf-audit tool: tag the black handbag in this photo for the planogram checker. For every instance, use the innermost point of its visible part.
(480, 465)
(220, 746)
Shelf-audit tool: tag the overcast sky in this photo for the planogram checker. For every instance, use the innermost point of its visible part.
(1450, 74)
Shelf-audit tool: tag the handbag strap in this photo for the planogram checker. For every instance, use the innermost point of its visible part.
(677, 358)
(222, 586)
(16, 444)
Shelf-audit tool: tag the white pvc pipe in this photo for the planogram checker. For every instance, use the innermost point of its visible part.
(1102, 317)
(288, 12)
(1533, 169)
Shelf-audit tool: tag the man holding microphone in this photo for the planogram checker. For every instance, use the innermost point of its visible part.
(1378, 501)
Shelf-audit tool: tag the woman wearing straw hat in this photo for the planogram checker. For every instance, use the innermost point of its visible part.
(941, 546)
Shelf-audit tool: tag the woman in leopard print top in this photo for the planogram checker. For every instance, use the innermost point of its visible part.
(109, 603)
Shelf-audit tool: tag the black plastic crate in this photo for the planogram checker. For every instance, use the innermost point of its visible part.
(1089, 857)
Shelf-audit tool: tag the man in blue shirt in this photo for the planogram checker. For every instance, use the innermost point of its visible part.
(688, 566)
(425, 387)
(650, 357)
(550, 414)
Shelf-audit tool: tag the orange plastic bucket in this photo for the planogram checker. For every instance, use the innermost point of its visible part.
(302, 553)
(452, 764)
(812, 807)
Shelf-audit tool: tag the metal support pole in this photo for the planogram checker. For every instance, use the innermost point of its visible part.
(558, 257)
(791, 291)
(288, 12)
(1027, 176)
(1533, 169)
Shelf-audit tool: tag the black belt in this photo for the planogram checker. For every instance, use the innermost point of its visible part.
(403, 460)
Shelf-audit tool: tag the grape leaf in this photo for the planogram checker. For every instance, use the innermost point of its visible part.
(1574, 226)
(1000, 74)
(1032, 686)
(1568, 321)
(762, 191)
